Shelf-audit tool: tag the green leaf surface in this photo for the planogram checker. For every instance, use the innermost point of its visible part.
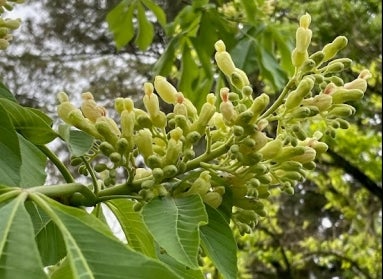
(10, 156)
(164, 64)
(158, 12)
(145, 32)
(93, 251)
(250, 8)
(31, 123)
(32, 171)
(133, 226)
(183, 271)
(47, 236)
(219, 244)
(120, 23)
(78, 141)
(19, 256)
(5, 93)
(174, 224)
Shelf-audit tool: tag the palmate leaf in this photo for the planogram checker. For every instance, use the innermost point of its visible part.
(174, 224)
(78, 141)
(10, 159)
(34, 125)
(19, 256)
(93, 251)
(145, 32)
(133, 226)
(219, 244)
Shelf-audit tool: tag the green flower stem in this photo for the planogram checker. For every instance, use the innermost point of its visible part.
(69, 189)
(92, 175)
(208, 156)
(56, 161)
(280, 99)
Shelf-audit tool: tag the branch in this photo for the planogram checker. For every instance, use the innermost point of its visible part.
(367, 182)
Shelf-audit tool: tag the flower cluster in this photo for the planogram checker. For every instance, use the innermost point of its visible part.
(7, 25)
(248, 144)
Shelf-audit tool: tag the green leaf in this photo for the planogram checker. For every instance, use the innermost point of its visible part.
(47, 236)
(120, 22)
(164, 64)
(19, 256)
(145, 29)
(251, 10)
(10, 159)
(133, 226)
(219, 244)
(32, 171)
(174, 224)
(180, 269)
(30, 123)
(158, 12)
(5, 93)
(93, 251)
(269, 67)
(78, 141)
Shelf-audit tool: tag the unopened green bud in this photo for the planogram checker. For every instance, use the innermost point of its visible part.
(143, 140)
(321, 101)
(115, 157)
(303, 39)
(193, 137)
(343, 124)
(249, 204)
(77, 119)
(331, 49)
(107, 133)
(358, 83)
(100, 167)
(119, 104)
(290, 165)
(239, 78)
(127, 124)
(299, 57)
(106, 148)
(247, 91)
(334, 68)
(223, 58)
(173, 152)
(295, 98)
(259, 105)
(309, 165)
(342, 95)
(305, 20)
(308, 65)
(144, 121)
(159, 120)
(153, 161)
(238, 131)
(75, 161)
(188, 154)
(289, 152)
(89, 107)
(308, 155)
(213, 199)
(165, 89)
(182, 122)
(158, 174)
(271, 149)
(341, 110)
(64, 109)
(3, 44)
(299, 132)
(170, 171)
(207, 112)
(317, 57)
(122, 145)
(191, 109)
(150, 100)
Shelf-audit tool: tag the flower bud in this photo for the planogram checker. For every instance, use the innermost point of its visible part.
(358, 83)
(64, 109)
(119, 105)
(308, 155)
(317, 57)
(143, 140)
(365, 74)
(239, 78)
(342, 95)
(207, 112)
(153, 161)
(303, 39)
(191, 109)
(289, 152)
(271, 149)
(299, 57)
(223, 59)
(127, 124)
(341, 110)
(321, 101)
(305, 21)
(170, 171)
(331, 49)
(333, 68)
(213, 199)
(77, 119)
(159, 120)
(295, 98)
(173, 151)
(150, 100)
(89, 107)
(107, 131)
(258, 106)
(165, 89)
(106, 148)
